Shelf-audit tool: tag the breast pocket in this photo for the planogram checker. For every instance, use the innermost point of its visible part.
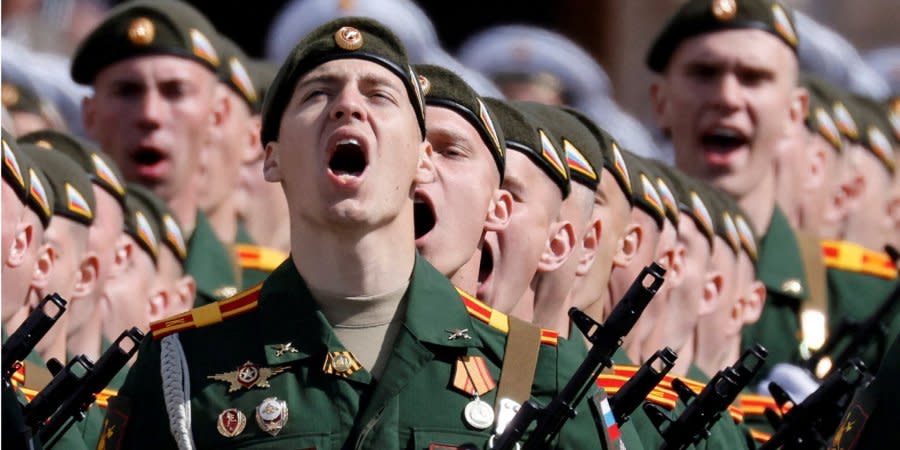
(300, 441)
(448, 439)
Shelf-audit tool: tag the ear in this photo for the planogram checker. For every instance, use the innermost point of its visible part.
(222, 107)
(712, 291)
(425, 169)
(20, 244)
(271, 165)
(86, 282)
(253, 151)
(121, 256)
(799, 105)
(43, 267)
(815, 176)
(499, 211)
(590, 243)
(628, 245)
(559, 247)
(658, 99)
(185, 293)
(677, 263)
(752, 303)
(852, 190)
(158, 305)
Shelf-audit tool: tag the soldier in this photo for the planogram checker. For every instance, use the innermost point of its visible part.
(727, 93)
(537, 177)
(28, 111)
(344, 130)
(86, 314)
(153, 69)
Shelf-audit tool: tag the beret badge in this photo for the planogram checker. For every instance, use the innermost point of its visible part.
(141, 31)
(724, 9)
(348, 38)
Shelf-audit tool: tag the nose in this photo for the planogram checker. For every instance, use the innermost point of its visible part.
(348, 105)
(728, 92)
(150, 110)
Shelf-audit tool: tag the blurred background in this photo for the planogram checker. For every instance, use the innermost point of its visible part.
(593, 58)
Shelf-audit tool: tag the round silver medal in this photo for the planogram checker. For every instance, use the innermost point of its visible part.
(479, 414)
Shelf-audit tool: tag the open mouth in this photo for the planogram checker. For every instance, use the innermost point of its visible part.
(348, 158)
(723, 140)
(486, 267)
(148, 157)
(423, 213)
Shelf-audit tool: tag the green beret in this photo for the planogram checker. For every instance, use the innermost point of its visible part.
(842, 106)
(20, 98)
(744, 227)
(644, 191)
(691, 200)
(73, 195)
(347, 37)
(40, 194)
(819, 115)
(446, 89)
(262, 73)
(893, 109)
(146, 27)
(15, 167)
(104, 172)
(697, 17)
(170, 232)
(141, 223)
(664, 189)
(875, 132)
(583, 154)
(523, 134)
(234, 71)
(723, 216)
(611, 153)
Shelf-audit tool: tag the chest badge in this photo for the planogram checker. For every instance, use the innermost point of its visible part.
(281, 349)
(248, 376)
(272, 415)
(231, 422)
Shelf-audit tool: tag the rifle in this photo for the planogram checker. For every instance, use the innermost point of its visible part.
(605, 340)
(864, 332)
(705, 408)
(23, 340)
(636, 389)
(811, 423)
(74, 388)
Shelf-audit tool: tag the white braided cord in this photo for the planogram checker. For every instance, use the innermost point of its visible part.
(176, 390)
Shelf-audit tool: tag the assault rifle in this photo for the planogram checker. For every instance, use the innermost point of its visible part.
(636, 389)
(605, 340)
(705, 408)
(23, 340)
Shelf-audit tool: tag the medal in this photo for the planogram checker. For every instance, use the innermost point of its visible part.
(272, 415)
(479, 414)
(248, 376)
(231, 422)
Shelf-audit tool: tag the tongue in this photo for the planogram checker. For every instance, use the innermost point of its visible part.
(348, 160)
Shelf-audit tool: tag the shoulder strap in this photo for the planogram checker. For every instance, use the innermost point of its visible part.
(519, 362)
(814, 311)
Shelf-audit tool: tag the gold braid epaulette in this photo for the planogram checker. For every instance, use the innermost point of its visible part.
(852, 257)
(205, 315)
(260, 258)
(497, 320)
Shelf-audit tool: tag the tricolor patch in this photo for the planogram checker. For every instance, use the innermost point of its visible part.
(106, 174)
(420, 95)
(146, 233)
(844, 121)
(76, 203)
(174, 236)
(577, 162)
(734, 240)
(668, 197)
(488, 124)
(783, 24)
(39, 193)
(827, 128)
(550, 154)
(241, 79)
(608, 424)
(894, 116)
(621, 168)
(203, 48)
(701, 213)
(748, 239)
(880, 145)
(11, 163)
(651, 196)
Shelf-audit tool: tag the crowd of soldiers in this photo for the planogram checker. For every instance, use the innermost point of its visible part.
(352, 250)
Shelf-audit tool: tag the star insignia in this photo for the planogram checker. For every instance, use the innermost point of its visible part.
(248, 376)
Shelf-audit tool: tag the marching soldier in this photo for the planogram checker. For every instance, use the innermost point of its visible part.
(154, 72)
(727, 93)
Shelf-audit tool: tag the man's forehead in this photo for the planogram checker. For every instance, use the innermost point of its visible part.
(347, 69)
(157, 66)
(746, 45)
(449, 122)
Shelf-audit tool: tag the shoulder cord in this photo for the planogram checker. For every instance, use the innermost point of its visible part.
(176, 390)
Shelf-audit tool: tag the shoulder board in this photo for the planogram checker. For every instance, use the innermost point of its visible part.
(851, 257)
(760, 436)
(208, 314)
(497, 320)
(259, 258)
(611, 383)
(103, 396)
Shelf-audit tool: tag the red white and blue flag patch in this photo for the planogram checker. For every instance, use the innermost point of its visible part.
(701, 213)
(76, 203)
(577, 162)
(241, 79)
(203, 48)
(106, 174)
(145, 232)
(39, 193)
(550, 154)
(174, 236)
(9, 159)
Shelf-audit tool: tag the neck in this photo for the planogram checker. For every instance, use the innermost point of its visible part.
(552, 300)
(709, 352)
(466, 278)
(685, 356)
(86, 340)
(355, 263)
(184, 206)
(268, 220)
(524, 309)
(759, 204)
(224, 220)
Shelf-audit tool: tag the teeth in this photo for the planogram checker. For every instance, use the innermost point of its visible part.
(726, 132)
(349, 141)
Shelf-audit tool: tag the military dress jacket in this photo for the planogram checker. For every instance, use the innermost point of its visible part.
(211, 263)
(192, 396)
(780, 268)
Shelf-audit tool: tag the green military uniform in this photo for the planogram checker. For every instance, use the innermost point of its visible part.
(211, 264)
(256, 262)
(412, 405)
(872, 418)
